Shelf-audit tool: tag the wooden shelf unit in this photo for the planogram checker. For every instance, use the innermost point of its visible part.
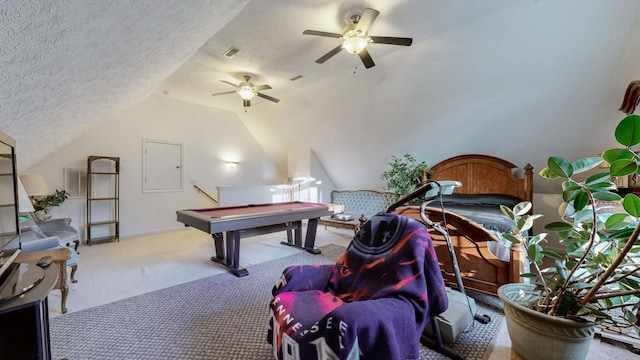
(103, 198)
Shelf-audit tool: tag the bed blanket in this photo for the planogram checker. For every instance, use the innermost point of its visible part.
(372, 304)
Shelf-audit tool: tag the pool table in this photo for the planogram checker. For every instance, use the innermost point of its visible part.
(227, 224)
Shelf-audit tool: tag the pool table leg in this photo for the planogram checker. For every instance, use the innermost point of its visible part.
(310, 238)
(295, 239)
(229, 257)
(218, 239)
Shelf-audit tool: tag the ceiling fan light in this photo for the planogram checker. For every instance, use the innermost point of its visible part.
(355, 44)
(246, 93)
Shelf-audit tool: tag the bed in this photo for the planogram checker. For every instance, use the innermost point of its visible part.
(484, 260)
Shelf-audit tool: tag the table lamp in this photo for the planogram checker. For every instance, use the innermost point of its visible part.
(34, 185)
(24, 203)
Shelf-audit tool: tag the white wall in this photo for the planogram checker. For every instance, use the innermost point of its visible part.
(211, 138)
(547, 205)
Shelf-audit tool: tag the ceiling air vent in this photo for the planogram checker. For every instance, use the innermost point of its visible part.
(295, 77)
(232, 51)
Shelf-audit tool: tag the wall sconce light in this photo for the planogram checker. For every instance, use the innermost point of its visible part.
(231, 165)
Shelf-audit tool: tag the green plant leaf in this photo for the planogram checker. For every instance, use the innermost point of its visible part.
(571, 194)
(606, 196)
(534, 252)
(548, 174)
(623, 167)
(598, 178)
(615, 221)
(560, 166)
(612, 155)
(552, 254)
(631, 205)
(511, 238)
(628, 131)
(538, 238)
(522, 208)
(561, 269)
(524, 223)
(529, 275)
(582, 165)
(581, 200)
(558, 226)
(570, 185)
(507, 211)
(584, 215)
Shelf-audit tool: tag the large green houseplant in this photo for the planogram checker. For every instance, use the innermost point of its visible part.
(405, 174)
(597, 280)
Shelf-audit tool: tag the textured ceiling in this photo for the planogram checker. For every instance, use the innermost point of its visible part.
(65, 63)
(519, 79)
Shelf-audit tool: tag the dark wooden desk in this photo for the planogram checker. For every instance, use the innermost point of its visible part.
(252, 220)
(24, 321)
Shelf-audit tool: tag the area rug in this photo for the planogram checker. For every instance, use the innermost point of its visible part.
(219, 317)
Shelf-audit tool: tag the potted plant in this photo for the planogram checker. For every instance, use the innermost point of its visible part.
(597, 281)
(405, 174)
(43, 205)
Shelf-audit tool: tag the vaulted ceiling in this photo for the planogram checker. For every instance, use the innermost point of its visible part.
(518, 79)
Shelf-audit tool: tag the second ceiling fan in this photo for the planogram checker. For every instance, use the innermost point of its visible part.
(356, 38)
(248, 91)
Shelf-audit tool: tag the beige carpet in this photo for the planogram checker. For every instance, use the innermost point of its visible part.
(112, 271)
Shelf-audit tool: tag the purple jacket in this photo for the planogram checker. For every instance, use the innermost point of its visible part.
(372, 304)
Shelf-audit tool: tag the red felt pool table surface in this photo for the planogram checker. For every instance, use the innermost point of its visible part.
(235, 211)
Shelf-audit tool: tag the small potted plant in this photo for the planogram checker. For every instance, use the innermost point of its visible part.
(43, 205)
(597, 281)
(405, 175)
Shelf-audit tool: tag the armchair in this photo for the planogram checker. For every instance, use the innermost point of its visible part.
(34, 247)
(60, 227)
(373, 303)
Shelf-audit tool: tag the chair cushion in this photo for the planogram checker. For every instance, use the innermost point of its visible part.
(31, 225)
(65, 236)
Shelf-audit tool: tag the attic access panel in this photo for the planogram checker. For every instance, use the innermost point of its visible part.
(162, 166)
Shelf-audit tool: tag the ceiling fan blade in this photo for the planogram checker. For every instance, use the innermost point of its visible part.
(260, 87)
(268, 97)
(223, 93)
(230, 83)
(246, 103)
(366, 19)
(391, 40)
(328, 55)
(366, 58)
(321, 33)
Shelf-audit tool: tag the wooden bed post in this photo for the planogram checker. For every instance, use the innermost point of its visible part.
(631, 97)
(528, 183)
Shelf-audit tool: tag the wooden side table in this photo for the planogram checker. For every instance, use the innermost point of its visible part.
(343, 224)
(60, 257)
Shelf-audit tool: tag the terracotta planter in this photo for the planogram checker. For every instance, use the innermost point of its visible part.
(535, 335)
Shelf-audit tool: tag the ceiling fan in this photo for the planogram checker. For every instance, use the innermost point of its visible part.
(248, 91)
(355, 38)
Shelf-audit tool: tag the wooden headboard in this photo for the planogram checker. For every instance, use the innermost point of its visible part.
(484, 174)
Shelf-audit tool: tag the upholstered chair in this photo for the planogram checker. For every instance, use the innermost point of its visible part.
(34, 245)
(60, 227)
